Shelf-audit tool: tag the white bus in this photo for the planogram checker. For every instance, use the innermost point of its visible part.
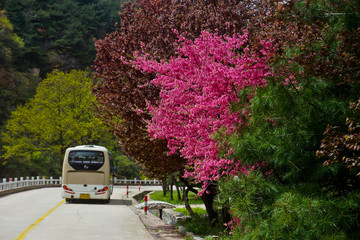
(87, 173)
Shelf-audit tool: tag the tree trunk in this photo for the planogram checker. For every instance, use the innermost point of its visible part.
(177, 187)
(183, 189)
(226, 217)
(164, 186)
(187, 205)
(171, 189)
(208, 199)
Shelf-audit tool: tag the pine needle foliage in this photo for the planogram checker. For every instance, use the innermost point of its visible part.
(316, 74)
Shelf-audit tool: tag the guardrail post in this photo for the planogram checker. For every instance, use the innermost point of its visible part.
(145, 204)
(3, 185)
(135, 181)
(60, 180)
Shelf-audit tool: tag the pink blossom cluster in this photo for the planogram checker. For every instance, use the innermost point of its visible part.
(233, 224)
(198, 87)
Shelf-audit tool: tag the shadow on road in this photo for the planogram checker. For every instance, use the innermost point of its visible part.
(119, 202)
(92, 201)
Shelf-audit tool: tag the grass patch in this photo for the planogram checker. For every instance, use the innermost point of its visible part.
(158, 196)
(197, 210)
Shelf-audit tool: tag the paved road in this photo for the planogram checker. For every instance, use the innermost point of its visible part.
(41, 214)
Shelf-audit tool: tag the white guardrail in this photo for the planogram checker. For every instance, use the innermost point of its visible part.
(12, 183)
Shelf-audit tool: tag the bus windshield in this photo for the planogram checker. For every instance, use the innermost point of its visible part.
(86, 159)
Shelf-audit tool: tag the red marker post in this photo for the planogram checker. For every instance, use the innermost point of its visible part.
(145, 205)
(139, 186)
(127, 191)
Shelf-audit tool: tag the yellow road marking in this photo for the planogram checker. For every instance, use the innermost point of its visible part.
(34, 224)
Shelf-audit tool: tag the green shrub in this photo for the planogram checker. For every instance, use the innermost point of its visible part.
(200, 226)
(266, 212)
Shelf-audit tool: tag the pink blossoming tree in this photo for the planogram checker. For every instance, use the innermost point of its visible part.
(198, 89)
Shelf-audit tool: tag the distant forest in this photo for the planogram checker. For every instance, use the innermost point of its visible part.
(59, 34)
(39, 36)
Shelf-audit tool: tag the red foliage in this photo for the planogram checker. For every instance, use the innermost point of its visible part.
(198, 87)
(343, 146)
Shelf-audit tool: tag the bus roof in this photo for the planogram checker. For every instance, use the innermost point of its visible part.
(88, 147)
